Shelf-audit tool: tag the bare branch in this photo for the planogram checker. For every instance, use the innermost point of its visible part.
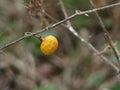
(55, 20)
(99, 18)
(105, 49)
(70, 28)
(109, 40)
(107, 35)
(58, 23)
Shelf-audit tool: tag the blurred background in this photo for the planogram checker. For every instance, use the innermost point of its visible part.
(73, 66)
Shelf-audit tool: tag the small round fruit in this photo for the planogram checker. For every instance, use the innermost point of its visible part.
(49, 45)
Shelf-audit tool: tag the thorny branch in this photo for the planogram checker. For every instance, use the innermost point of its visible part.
(71, 29)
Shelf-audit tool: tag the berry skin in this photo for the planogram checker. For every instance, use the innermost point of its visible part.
(49, 45)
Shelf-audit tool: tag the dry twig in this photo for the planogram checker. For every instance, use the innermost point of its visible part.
(58, 23)
(109, 40)
(99, 18)
(107, 35)
(104, 50)
(71, 29)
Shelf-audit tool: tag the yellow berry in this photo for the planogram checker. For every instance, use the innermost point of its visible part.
(49, 45)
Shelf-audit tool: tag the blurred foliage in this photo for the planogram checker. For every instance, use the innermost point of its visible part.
(26, 1)
(116, 86)
(81, 21)
(118, 45)
(49, 87)
(76, 4)
(96, 79)
(72, 55)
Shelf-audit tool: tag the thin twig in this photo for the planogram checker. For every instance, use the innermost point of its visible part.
(107, 35)
(58, 23)
(55, 20)
(109, 40)
(70, 28)
(63, 9)
(99, 18)
(104, 50)
(84, 41)
(105, 60)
